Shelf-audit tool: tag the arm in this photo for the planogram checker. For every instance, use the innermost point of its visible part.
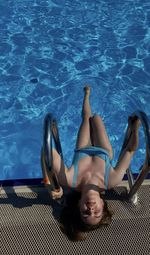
(58, 168)
(120, 169)
(125, 159)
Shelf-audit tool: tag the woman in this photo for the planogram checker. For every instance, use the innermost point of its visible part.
(91, 173)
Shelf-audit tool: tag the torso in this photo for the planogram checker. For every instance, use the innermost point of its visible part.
(90, 169)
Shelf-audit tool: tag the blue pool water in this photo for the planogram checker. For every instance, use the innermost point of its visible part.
(48, 50)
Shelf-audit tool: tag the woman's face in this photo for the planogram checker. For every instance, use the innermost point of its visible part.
(91, 209)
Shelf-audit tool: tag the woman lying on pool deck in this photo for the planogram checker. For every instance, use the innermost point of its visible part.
(91, 173)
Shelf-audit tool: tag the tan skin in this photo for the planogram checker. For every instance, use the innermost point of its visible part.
(90, 180)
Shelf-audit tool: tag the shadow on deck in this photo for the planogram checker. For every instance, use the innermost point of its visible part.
(29, 225)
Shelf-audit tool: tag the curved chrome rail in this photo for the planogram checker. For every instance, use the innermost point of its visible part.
(51, 132)
(135, 184)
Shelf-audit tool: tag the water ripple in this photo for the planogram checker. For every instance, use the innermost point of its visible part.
(49, 49)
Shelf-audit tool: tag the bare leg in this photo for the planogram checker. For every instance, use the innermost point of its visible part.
(84, 139)
(86, 108)
(99, 134)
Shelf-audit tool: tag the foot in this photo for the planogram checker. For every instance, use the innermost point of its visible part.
(87, 90)
(134, 124)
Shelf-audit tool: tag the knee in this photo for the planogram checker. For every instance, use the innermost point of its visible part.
(97, 117)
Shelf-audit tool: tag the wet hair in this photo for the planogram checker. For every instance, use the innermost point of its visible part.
(70, 220)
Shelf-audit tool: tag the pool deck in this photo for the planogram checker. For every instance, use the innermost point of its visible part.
(29, 220)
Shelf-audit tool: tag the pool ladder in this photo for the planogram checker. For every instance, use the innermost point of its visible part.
(51, 133)
(134, 185)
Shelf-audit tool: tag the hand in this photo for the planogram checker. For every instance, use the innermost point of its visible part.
(56, 194)
(134, 121)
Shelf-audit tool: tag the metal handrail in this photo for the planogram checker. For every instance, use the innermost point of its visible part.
(135, 184)
(51, 133)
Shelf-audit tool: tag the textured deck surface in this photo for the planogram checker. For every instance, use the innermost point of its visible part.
(29, 226)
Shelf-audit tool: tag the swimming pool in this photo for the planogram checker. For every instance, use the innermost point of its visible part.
(48, 51)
